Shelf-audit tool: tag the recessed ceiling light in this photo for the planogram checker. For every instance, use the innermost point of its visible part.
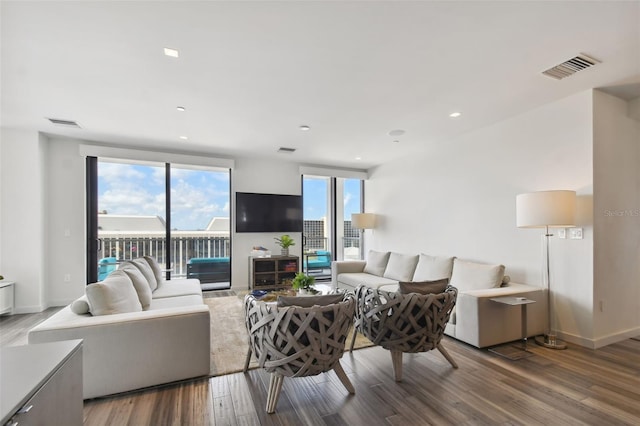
(184, 138)
(397, 132)
(396, 141)
(304, 128)
(171, 52)
(455, 114)
(358, 158)
(181, 108)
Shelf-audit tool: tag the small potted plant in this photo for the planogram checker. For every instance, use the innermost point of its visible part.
(304, 284)
(285, 242)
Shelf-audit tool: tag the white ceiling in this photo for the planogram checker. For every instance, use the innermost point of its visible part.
(250, 73)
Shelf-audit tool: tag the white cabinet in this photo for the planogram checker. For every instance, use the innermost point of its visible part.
(41, 384)
(6, 297)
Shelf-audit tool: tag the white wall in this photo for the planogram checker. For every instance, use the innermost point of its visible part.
(617, 219)
(23, 205)
(66, 228)
(458, 198)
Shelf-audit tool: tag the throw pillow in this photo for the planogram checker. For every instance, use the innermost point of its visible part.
(155, 267)
(424, 287)
(432, 268)
(309, 301)
(114, 295)
(475, 276)
(141, 285)
(401, 266)
(146, 270)
(376, 262)
(80, 306)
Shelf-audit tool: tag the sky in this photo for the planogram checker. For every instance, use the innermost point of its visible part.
(197, 196)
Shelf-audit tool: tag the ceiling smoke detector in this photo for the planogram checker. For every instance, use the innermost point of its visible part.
(570, 67)
(60, 122)
(284, 150)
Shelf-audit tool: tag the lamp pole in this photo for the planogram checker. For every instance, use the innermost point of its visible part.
(549, 340)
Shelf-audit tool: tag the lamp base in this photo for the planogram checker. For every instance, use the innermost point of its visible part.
(550, 341)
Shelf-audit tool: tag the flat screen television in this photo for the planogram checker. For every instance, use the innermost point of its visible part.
(268, 212)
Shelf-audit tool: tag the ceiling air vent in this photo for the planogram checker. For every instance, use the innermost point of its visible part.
(286, 150)
(60, 122)
(571, 67)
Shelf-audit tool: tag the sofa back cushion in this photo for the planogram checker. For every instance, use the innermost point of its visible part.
(475, 276)
(376, 262)
(155, 267)
(114, 295)
(146, 270)
(424, 287)
(141, 285)
(401, 266)
(431, 268)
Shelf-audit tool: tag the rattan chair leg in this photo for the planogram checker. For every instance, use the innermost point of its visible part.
(353, 339)
(343, 378)
(248, 360)
(444, 352)
(275, 386)
(396, 359)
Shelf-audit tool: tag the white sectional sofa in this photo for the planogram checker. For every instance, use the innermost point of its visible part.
(476, 319)
(161, 338)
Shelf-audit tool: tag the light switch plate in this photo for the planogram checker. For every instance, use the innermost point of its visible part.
(562, 233)
(575, 233)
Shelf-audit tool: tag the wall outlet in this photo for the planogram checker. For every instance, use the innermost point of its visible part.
(67, 278)
(562, 233)
(575, 233)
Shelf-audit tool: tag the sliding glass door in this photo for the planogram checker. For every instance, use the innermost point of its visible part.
(200, 226)
(328, 205)
(179, 215)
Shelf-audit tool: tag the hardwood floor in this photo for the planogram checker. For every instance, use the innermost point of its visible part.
(13, 328)
(576, 386)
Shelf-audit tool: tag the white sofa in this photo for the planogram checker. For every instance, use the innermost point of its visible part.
(476, 319)
(166, 342)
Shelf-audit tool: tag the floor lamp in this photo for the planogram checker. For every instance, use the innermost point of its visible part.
(363, 221)
(547, 209)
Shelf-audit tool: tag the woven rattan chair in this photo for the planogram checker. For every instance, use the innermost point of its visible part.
(296, 342)
(404, 322)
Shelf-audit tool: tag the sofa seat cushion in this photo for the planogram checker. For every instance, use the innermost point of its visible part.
(432, 268)
(179, 287)
(469, 276)
(176, 302)
(401, 266)
(114, 295)
(361, 278)
(376, 262)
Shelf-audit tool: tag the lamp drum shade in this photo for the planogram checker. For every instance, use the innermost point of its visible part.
(546, 208)
(363, 220)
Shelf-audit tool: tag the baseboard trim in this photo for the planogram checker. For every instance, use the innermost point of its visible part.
(34, 309)
(602, 341)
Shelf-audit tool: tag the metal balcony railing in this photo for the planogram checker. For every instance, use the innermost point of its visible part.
(182, 249)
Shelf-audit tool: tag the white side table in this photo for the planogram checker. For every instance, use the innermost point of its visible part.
(511, 351)
(6, 297)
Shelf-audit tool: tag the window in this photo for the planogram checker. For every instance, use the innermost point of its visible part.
(328, 235)
(177, 214)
